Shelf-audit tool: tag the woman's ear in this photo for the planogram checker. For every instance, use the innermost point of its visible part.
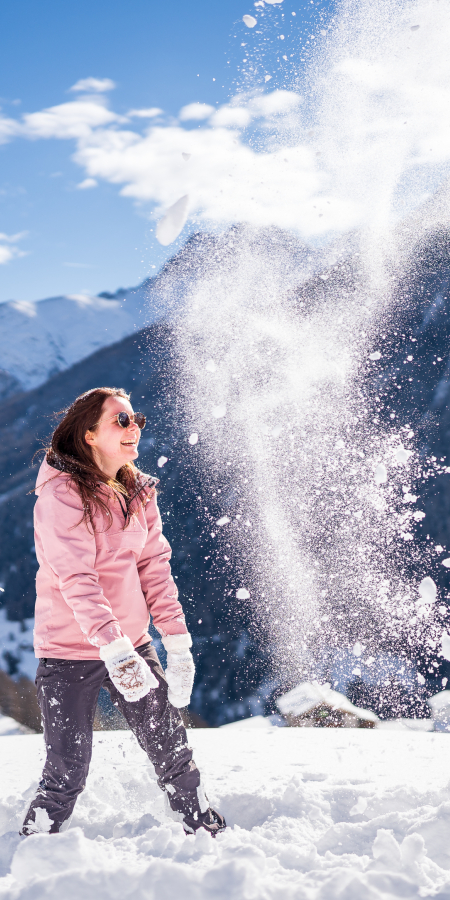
(90, 437)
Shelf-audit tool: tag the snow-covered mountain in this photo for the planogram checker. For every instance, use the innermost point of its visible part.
(42, 338)
(48, 336)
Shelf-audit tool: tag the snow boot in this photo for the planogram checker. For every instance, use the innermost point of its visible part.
(210, 820)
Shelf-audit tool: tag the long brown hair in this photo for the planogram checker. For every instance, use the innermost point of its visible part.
(68, 452)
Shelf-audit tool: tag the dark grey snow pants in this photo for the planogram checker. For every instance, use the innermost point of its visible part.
(67, 693)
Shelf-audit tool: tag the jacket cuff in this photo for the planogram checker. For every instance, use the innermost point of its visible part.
(120, 647)
(176, 625)
(108, 633)
(176, 643)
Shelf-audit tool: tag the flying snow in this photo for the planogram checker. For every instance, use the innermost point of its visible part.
(445, 642)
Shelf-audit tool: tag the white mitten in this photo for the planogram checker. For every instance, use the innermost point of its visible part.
(180, 669)
(127, 670)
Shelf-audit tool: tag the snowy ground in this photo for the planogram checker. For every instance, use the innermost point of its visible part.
(313, 813)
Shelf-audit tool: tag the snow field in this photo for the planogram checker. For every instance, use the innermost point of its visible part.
(313, 813)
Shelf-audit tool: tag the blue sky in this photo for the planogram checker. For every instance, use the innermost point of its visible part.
(162, 56)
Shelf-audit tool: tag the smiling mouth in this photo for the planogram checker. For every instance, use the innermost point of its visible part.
(129, 443)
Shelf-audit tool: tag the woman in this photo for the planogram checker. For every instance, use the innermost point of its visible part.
(103, 567)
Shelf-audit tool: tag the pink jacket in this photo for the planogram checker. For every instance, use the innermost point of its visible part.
(93, 588)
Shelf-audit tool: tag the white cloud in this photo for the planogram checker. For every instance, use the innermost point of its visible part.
(195, 112)
(275, 103)
(145, 113)
(6, 254)
(86, 184)
(68, 120)
(9, 128)
(93, 85)
(363, 149)
(235, 116)
(8, 250)
(13, 238)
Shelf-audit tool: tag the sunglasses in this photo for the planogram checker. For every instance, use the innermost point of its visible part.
(124, 419)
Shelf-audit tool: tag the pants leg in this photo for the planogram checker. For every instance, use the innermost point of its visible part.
(67, 694)
(159, 729)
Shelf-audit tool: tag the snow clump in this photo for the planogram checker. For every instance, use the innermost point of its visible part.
(380, 474)
(427, 591)
(172, 224)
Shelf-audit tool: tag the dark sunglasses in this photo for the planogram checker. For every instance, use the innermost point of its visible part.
(124, 419)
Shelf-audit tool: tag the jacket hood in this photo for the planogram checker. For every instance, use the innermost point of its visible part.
(45, 474)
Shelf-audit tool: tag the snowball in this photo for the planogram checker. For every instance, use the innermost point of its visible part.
(357, 649)
(161, 461)
(249, 21)
(427, 591)
(267, 78)
(356, 671)
(242, 594)
(210, 366)
(360, 807)
(223, 520)
(186, 156)
(380, 474)
(172, 224)
(445, 640)
(446, 562)
(219, 411)
(375, 356)
(420, 679)
(193, 438)
(402, 455)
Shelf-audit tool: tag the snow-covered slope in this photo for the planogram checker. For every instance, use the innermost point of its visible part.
(40, 339)
(313, 813)
(43, 338)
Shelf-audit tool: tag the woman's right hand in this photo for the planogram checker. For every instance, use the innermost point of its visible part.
(129, 673)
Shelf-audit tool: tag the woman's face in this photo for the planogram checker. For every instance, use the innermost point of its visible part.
(113, 446)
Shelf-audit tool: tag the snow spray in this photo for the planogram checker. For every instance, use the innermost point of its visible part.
(280, 343)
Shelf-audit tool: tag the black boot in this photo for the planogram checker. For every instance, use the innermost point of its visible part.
(210, 820)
